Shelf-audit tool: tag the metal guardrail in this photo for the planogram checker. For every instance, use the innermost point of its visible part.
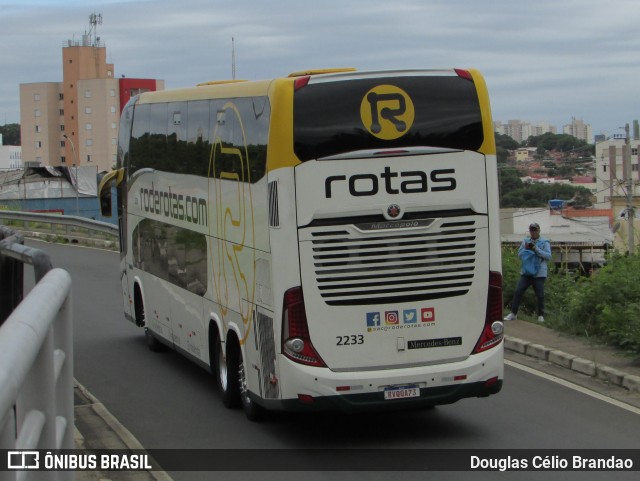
(63, 228)
(56, 220)
(36, 357)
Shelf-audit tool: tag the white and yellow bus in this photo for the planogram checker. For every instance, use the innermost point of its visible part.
(328, 240)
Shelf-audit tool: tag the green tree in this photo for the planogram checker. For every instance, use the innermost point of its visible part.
(607, 305)
(502, 154)
(509, 181)
(560, 142)
(10, 134)
(506, 142)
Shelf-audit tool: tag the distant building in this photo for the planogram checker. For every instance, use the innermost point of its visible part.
(525, 154)
(579, 130)
(75, 122)
(543, 179)
(521, 131)
(10, 156)
(611, 170)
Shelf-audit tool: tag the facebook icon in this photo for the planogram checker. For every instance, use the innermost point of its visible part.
(373, 319)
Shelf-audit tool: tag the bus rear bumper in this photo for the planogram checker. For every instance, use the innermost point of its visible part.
(319, 389)
(365, 402)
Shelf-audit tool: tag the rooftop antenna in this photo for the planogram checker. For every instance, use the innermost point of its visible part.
(94, 21)
(233, 59)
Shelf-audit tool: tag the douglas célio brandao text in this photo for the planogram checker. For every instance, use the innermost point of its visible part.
(551, 462)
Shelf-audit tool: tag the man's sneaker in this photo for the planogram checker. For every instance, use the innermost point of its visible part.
(541, 319)
(510, 317)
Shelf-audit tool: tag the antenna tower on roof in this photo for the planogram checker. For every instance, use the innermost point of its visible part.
(95, 19)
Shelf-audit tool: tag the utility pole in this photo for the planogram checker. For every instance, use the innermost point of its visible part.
(75, 165)
(233, 59)
(630, 210)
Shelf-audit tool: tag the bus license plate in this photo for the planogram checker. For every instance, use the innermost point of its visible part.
(401, 392)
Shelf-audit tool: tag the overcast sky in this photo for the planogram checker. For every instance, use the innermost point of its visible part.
(543, 60)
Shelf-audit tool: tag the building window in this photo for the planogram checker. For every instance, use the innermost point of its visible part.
(114, 125)
(37, 112)
(113, 93)
(89, 142)
(113, 110)
(88, 126)
(87, 94)
(61, 112)
(38, 144)
(114, 141)
(63, 160)
(60, 96)
(634, 151)
(63, 144)
(605, 168)
(138, 91)
(88, 157)
(87, 110)
(36, 97)
(38, 129)
(62, 128)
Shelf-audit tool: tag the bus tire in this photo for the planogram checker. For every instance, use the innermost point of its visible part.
(138, 306)
(226, 372)
(253, 411)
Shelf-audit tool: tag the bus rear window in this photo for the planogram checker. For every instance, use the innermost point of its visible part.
(337, 117)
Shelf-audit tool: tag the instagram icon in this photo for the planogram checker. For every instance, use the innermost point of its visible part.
(391, 318)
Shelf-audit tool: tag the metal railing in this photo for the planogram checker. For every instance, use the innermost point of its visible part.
(69, 227)
(36, 357)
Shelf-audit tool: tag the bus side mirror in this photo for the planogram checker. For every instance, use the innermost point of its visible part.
(105, 203)
(104, 190)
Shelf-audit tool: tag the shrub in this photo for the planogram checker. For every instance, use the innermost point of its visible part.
(607, 305)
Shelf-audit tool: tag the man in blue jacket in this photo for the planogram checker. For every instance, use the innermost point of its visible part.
(534, 252)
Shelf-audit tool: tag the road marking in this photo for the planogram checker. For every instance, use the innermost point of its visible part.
(574, 386)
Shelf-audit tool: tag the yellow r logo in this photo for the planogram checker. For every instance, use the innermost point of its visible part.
(387, 112)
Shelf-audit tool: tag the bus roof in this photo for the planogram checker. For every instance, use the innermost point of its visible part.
(208, 90)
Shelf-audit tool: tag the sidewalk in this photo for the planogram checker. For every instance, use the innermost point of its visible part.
(574, 353)
(96, 428)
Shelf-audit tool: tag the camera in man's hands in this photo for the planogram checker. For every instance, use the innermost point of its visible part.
(531, 245)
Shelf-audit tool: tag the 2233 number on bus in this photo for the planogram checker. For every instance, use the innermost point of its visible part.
(351, 340)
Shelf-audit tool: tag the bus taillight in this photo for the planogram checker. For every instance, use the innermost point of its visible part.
(465, 74)
(301, 82)
(296, 343)
(493, 330)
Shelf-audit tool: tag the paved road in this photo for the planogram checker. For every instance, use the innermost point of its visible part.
(168, 402)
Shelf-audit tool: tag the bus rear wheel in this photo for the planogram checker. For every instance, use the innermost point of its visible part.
(152, 342)
(253, 411)
(226, 372)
